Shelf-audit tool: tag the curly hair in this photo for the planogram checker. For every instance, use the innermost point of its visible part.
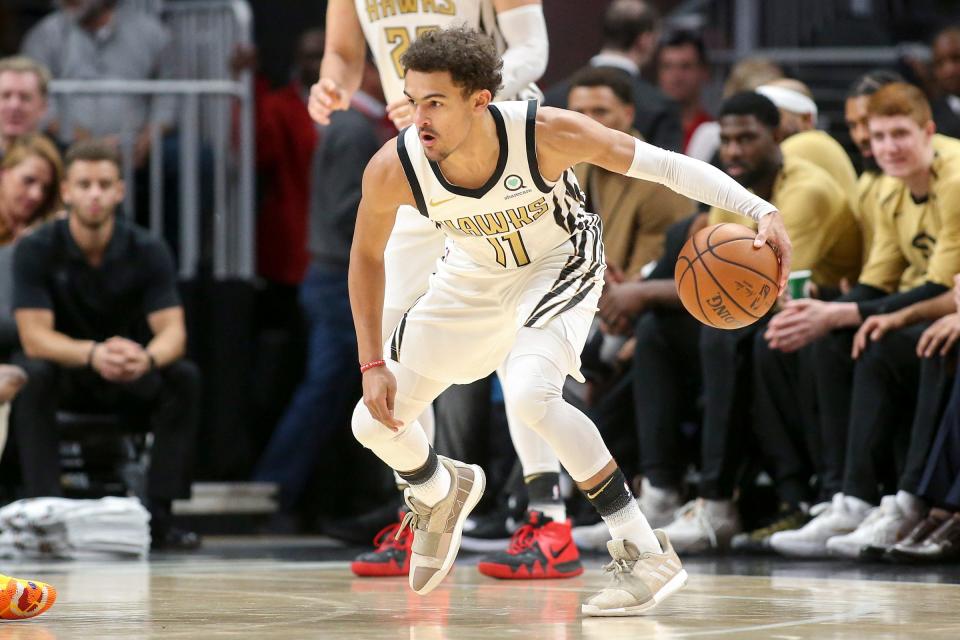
(469, 56)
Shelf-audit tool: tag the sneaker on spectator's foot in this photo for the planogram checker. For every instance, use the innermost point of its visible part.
(437, 530)
(639, 581)
(491, 531)
(541, 548)
(912, 547)
(942, 545)
(22, 599)
(658, 505)
(390, 556)
(883, 527)
(836, 518)
(360, 529)
(703, 525)
(758, 540)
(592, 537)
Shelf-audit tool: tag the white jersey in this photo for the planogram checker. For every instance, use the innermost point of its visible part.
(390, 26)
(517, 216)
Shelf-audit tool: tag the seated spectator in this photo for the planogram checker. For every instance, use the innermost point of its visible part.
(913, 259)
(23, 98)
(102, 328)
(30, 174)
(635, 213)
(946, 73)
(103, 39)
(682, 74)
(800, 136)
(631, 29)
(825, 240)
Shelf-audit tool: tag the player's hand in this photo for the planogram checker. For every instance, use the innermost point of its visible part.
(873, 329)
(772, 231)
(621, 301)
(108, 362)
(326, 96)
(400, 113)
(379, 392)
(800, 323)
(939, 337)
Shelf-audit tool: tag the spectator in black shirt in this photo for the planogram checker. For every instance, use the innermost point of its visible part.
(102, 329)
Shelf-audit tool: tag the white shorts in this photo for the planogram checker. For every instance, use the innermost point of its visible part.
(412, 252)
(462, 329)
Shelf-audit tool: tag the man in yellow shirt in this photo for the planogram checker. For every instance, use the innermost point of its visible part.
(825, 240)
(914, 255)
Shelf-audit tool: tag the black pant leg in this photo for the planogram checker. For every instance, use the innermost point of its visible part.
(933, 392)
(174, 421)
(834, 385)
(780, 423)
(463, 418)
(884, 395)
(940, 482)
(666, 382)
(727, 369)
(34, 425)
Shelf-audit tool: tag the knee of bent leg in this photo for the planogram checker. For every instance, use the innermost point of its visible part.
(366, 429)
(532, 383)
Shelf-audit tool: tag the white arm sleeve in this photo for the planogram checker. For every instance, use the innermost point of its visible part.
(525, 32)
(695, 179)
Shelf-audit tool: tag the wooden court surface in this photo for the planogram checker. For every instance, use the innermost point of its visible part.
(205, 596)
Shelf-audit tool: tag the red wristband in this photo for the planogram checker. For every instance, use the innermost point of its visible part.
(373, 364)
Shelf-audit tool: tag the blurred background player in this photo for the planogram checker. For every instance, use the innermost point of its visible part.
(519, 30)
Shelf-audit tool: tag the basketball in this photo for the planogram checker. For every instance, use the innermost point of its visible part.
(722, 280)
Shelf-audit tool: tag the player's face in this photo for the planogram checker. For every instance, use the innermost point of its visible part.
(748, 148)
(22, 105)
(443, 116)
(93, 189)
(24, 187)
(855, 113)
(900, 146)
(680, 73)
(946, 62)
(603, 105)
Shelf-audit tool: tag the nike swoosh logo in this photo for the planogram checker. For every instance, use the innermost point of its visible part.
(437, 203)
(556, 552)
(593, 495)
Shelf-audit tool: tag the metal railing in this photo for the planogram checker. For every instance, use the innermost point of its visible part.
(212, 107)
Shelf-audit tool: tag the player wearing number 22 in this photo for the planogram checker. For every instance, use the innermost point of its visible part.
(526, 299)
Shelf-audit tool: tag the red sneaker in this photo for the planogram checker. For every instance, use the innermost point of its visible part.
(541, 548)
(391, 556)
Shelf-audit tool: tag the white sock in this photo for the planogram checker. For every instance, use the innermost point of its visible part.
(435, 488)
(556, 511)
(630, 524)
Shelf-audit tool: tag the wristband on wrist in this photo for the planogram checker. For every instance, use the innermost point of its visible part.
(373, 364)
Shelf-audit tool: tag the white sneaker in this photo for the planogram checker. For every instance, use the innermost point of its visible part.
(592, 537)
(703, 525)
(658, 505)
(835, 518)
(883, 527)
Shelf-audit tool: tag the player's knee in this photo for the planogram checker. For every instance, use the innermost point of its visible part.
(366, 429)
(530, 387)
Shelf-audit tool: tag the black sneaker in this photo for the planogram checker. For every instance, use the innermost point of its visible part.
(174, 539)
(489, 532)
(359, 530)
(758, 540)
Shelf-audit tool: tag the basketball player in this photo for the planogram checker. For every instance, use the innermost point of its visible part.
(519, 285)
(520, 32)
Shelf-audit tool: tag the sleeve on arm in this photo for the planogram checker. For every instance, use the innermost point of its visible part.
(886, 263)
(29, 286)
(897, 301)
(160, 290)
(525, 32)
(945, 260)
(803, 208)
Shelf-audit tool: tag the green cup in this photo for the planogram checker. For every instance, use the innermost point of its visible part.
(797, 282)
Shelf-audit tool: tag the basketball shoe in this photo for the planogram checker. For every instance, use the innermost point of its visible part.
(840, 516)
(391, 553)
(437, 530)
(540, 548)
(22, 599)
(638, 581)
(883, 527)
(704, 525)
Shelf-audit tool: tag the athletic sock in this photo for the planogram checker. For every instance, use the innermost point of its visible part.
(430, 483)
(612, 499)
(543, 495)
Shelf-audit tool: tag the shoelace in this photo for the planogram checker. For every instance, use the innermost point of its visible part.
(522, 539)
(390, 537)
(695, 511)
(411, 520)
(618, 567)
